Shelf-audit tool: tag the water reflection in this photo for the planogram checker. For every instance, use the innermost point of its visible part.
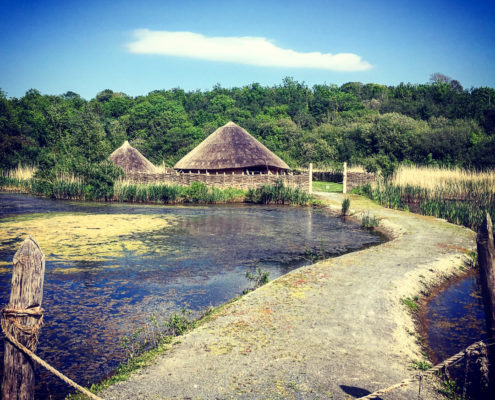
(456, 318)
(198, 261)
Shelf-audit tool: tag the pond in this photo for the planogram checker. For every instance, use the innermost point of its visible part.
(110, 267)
(455, 319)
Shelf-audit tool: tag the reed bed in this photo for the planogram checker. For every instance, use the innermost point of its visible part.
(70, 187)
(459, 196)
(279, 194)
(18, 179)
(454, 183)
(160, 193)
(22, 172)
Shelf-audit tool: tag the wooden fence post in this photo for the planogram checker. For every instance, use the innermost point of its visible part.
(26, 294)
(310, 177)
(486, 261)
(344, 176)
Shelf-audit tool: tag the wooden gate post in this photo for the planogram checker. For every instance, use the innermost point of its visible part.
(344, 178)
(26, 295)
(486, 261)
(310, 177)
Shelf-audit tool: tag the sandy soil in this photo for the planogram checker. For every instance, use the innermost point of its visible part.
(333, 330)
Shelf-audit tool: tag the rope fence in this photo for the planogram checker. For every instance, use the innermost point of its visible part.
(13, 329)
(418, 378)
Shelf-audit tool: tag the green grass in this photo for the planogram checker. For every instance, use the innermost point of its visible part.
(410, 304)
(450, 390)
(329, 187)
(279, 194)
(420, 365)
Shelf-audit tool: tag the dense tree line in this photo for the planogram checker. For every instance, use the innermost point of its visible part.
(376, 125)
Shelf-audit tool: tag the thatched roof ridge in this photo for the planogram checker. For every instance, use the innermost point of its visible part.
(131, 160)
(230, 147)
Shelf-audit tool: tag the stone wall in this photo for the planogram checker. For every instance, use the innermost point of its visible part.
(355, 179)
(221, 180)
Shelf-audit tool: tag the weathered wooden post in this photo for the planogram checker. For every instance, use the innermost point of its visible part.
(310, 177)
(22, 320)
(486, 262)
(344, 176)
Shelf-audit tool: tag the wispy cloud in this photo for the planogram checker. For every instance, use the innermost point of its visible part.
(244, 50)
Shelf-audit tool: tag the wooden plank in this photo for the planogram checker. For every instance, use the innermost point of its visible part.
(26, 293)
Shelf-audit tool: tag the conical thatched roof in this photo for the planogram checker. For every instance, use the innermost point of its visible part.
(131, 160)
(230, 147)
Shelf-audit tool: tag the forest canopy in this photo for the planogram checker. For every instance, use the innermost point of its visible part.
(438, 122)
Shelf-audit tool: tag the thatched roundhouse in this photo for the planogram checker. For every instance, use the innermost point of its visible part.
(131, 160)
(231, 149)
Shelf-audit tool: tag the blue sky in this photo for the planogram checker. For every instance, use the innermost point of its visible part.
(138, 46)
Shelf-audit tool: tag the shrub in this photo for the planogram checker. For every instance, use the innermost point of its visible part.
(346, 204)
(259, 278)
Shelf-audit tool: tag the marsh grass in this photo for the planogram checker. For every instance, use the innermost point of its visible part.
(369, 221)
(18, 179)
(279, 194)
(453, 182)
(69, 187)
(161, 193)
(258, 278)
(459, 196)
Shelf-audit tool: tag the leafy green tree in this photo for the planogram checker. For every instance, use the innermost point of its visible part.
(12, 143)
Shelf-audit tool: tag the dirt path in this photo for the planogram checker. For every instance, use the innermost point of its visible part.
(333, 330)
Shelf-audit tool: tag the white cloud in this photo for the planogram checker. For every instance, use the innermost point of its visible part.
(244, 50)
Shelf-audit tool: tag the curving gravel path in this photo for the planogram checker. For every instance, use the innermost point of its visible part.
(333, 330)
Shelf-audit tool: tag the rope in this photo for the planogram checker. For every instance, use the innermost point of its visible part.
(30, 334)
(8, 322)
(417, 378)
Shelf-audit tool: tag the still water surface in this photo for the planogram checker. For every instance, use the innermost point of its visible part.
(456, 318)
(197, 260)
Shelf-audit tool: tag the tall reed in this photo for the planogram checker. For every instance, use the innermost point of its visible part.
(18, 179)
(279, 194)
(460, 196)
(162, 193)
(69, 187)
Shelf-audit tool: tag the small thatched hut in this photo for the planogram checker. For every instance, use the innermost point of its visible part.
(131, 160)
(231, 149)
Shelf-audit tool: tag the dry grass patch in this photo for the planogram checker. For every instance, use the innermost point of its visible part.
(453, 180)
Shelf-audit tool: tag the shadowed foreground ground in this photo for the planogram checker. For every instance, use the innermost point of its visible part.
(333, 330)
